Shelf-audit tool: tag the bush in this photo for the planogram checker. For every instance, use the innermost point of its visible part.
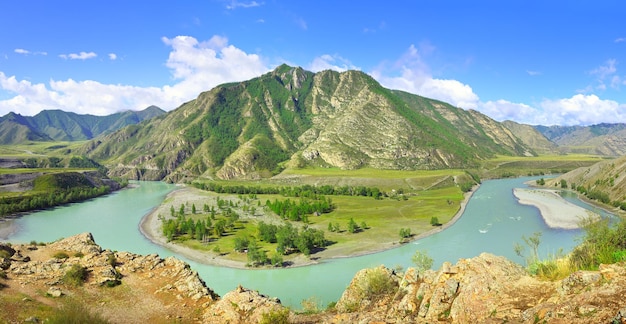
(75, 276)
(60, 255)
(280, 316)
(3, 274)
(377, 284)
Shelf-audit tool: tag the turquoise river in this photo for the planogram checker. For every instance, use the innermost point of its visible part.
(493, 222)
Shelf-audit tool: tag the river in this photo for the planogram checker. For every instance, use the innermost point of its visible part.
(493, 222)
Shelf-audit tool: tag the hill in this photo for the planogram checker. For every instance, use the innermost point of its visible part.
(58, 125)
(604, 181)
(295, 118)
(532, 137)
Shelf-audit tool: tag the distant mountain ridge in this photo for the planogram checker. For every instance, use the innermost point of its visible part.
(294, 118)
(58, 125)
(601, 139)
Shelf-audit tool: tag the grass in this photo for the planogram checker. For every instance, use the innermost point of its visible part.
(33, 149)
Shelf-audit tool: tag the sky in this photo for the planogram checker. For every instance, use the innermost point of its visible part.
(534, 62)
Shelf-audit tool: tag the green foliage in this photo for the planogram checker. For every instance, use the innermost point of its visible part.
(563, 183)
(352, 226)
(60, 255)
(280, 316)
(75, 275)
(377, 284)
(405, 233)
(422, 261)
(602, 243)
(541, 181)
(434, 221)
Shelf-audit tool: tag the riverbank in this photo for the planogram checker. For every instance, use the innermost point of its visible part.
(150, 227)
(555, 211)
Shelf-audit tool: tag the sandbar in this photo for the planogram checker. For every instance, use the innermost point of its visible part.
(556, 211)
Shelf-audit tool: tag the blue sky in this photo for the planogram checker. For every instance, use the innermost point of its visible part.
(535, 62)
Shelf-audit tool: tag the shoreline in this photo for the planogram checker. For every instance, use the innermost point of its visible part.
(555, 211)
(150, 228)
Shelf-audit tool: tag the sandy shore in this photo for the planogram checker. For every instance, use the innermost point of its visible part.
(150, 227)
(556, 211)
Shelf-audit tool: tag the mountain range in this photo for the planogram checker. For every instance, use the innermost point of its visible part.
(292, 117)
(58, 125)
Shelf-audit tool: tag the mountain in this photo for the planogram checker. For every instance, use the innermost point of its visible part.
(601, 139)
(58, 125)
(532, 137)
(293, 118)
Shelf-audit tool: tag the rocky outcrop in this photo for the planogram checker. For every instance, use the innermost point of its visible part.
(242, 306)
(484, 289)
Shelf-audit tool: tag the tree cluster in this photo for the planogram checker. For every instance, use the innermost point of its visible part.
(11, 205)
(298, 191)
(299, 211)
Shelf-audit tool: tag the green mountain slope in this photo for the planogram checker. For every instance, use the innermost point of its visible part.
(604, 181)
(293, 118)
(58, 125)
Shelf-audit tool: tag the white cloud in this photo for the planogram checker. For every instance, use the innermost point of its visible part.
(195, 66)
(414, 76)
(27, 52)
(112, 56)
(533, 73)
(578, 110)
(79, 56)
(331, 62)
(620, 40)
(234, 4)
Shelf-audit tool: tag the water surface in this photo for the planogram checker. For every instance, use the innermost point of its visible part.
(493, 222)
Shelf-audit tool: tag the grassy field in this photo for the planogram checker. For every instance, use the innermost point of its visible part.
(32, 149)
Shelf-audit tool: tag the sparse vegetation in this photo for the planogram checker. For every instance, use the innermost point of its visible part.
(280, 316)
(75, 275)
(75, 312)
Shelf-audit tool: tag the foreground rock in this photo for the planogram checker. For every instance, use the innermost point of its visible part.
(130, 288)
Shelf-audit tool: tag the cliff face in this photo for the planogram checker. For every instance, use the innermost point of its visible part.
(484, 289)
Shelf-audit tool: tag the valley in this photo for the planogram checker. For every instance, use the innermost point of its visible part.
(295, 170)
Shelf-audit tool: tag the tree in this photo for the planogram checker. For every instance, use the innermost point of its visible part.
(352, 226)
(405, 233)
(181, 211)
(434, 221)
(193, 208)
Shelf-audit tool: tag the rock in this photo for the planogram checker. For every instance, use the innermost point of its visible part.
(55, 292)
(242, 306)
(83, 243)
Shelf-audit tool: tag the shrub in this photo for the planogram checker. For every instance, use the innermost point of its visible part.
(3, 274)
(75, 276)
(280, 316)
(422, 261)
(60, 255)
(377, 284)
(79, 254)
(4, 254)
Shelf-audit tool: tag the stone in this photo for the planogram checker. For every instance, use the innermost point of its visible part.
(55, 292)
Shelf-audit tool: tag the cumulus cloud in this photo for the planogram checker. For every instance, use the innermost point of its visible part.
(195, 66)
(112, 56)
(578, 110)
(331, 62)
(413, 75)
(79, 56)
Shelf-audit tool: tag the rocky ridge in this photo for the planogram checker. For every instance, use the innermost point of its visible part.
(484, 289)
